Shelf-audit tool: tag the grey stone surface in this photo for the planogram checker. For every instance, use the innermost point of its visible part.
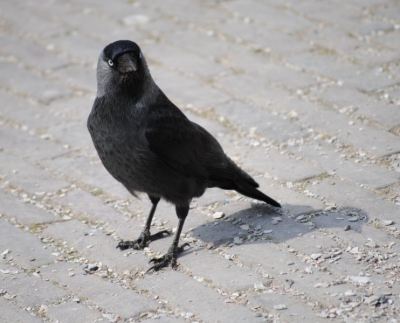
(359, 76)
(31, 54)
(376, 110)
(331, 160)
(25, 249)
(26, 83)
(233, 279)
(347, 194)
(34, 148)
(71, 311)
(111, 297)
(266, 124)
(24, 213)
(205, 302)
(96, 246)
(11, 313)
(31, 291)
(24, 113)
(303, 95)
(28, 177)
(87, 171)
(375, 141)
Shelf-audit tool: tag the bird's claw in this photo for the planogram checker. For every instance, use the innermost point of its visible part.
(143, 241)
(168, 259)
(136, 244)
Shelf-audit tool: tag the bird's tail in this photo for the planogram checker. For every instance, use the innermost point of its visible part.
(249, 190)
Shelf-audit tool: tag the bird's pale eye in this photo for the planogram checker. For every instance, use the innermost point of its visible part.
(140, 55)
(110, 62)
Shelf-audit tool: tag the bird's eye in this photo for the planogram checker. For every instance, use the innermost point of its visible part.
(110, 62)
(140, 55)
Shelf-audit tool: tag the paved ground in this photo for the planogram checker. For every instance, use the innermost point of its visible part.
(304, 95)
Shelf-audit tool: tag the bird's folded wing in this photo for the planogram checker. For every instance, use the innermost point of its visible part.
(184, 146)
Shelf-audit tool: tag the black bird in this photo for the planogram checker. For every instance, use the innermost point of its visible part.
(148, 144)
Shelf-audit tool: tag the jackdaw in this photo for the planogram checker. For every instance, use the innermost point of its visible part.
(146, 143)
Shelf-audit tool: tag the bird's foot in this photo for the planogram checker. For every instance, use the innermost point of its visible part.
(168, 259)
(143, 241)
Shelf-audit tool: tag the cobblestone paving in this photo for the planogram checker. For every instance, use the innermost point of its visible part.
(303, 94)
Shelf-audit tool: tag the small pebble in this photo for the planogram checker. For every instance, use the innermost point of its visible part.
(237, 240)
(361, 280)
(315, 256)
(349, 293)
(372, 244)
(280, 307)
(259, 286)
(387, 222)
(218, 215)
(244, 227)
(372, 300)
(347, 227)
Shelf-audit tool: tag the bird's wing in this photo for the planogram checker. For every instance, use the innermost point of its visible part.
(184, 146)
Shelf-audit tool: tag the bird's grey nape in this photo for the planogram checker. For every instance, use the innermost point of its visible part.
(104, 76)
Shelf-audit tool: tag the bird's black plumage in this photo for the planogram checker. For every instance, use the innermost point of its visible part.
(148, 144)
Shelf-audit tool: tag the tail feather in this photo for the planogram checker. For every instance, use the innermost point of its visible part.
(250, 191)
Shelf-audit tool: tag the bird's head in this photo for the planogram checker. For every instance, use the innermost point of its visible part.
(121, 67)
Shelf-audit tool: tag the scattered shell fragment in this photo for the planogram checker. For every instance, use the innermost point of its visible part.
(135, 20)
(322, 285)
(244, 227)
(5, 253)
(237, 240)
(268, 231)
(315, 256)
(259, 286)
(218, 215)
(372, 244)
(280, 307)
(300, 217)
(372, 299)
(347, 227)
(354, 219)
(387, 222)
(276, 220)
(361, 280)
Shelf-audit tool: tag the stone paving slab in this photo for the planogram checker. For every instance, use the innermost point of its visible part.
(27, 83)
(24, 213)
(303, 95)
(111, 297)
(205, 302)
(28, 177)
(13, 314)
(329, 158)
(31, 291)
(69, 312)
(25, 249)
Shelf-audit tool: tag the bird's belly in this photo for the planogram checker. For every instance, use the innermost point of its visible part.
(124, 162)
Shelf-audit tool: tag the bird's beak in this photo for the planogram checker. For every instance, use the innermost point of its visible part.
(127, 63)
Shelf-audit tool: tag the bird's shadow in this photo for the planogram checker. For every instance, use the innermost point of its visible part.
(263, 224)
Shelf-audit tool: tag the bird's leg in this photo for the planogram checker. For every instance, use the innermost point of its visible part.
(170, 257)
(145, 238)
